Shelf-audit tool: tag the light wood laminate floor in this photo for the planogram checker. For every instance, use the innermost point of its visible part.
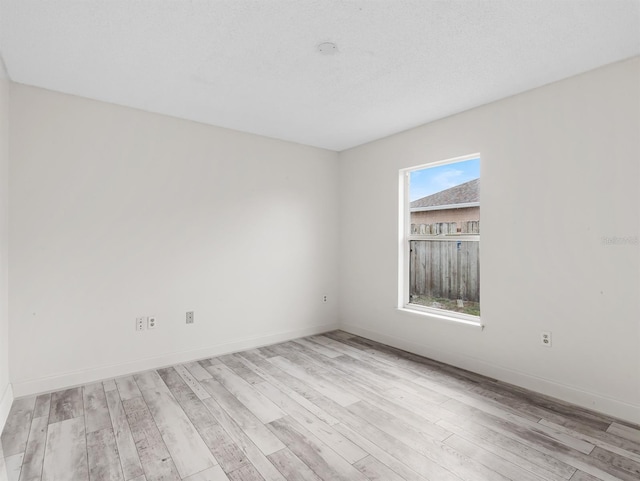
(327, 407)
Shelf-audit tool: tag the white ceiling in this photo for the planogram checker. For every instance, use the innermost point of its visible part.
(254, 66)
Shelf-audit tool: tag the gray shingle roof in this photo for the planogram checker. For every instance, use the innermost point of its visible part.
(460, 194)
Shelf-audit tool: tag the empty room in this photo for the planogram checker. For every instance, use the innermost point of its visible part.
(319, 240)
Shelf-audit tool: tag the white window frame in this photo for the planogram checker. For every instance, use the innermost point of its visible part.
(405, 237)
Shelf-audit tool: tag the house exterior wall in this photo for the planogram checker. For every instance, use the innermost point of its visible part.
(446, 215)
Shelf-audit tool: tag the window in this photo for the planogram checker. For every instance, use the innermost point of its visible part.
(440, 239)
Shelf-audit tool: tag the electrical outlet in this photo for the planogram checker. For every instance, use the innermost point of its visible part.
(190, 317)
(141, 323)
(324, 299)
(151, 322)
(545, 338)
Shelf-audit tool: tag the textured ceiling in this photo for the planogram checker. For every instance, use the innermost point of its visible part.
(254, 66)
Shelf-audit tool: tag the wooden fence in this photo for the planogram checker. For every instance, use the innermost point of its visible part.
(468, 227)
(448, 269)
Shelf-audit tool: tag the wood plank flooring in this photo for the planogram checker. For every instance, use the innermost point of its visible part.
(327, 407)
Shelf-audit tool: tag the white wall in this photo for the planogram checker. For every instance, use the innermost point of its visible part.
(5, 390)
(559, 172)
(117, 213)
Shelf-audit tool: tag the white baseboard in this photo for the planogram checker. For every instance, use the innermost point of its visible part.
(590, 400)
(66, 380)
(5, 405)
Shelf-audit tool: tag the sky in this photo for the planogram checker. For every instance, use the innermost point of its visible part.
(428, 181)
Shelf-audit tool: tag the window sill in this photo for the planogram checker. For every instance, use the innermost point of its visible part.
(433, 314)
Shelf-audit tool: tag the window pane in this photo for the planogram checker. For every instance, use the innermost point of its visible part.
(443, 235)
(445, 275)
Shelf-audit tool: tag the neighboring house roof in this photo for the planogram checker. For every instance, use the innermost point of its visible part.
(463, 195)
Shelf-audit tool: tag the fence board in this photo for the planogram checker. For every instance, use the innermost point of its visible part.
(448, 269)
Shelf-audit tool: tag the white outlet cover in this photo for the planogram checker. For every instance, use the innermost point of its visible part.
(152, 323)
(545, 338)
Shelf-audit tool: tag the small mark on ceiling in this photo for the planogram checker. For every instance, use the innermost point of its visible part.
(327, 48)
